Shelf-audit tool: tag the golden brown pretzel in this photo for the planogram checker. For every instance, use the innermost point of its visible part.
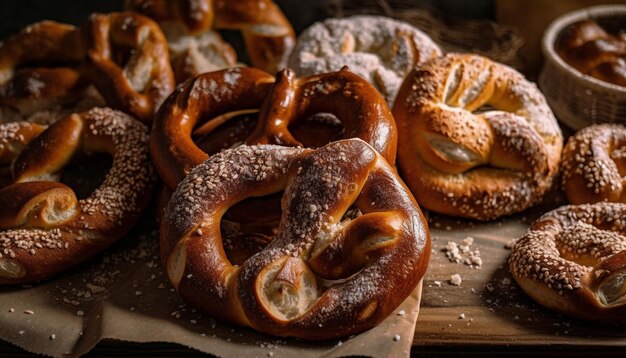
(573, 260)
(44, 228)
(594, 165)
(39, 69)
(211, 97)
(268, 34)
(128, 62)
(461, 157)
(320, 277)
(591, 50)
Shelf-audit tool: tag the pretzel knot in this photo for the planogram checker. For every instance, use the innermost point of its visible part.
(321, 276)
(39, 68)
(202, 105)
(475, 138)
(128, 62)
(573, 260)
(267, 33)
(594, 165)
(44, 227)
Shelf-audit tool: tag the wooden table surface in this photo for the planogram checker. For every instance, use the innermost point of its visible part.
(487, 314)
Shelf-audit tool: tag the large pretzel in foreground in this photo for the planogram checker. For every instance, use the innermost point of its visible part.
(210, 100)
(320, 277)
(39, 70)
(128, 62)
(573, 260)
(267, 33)
(44, 228)
(462, 159)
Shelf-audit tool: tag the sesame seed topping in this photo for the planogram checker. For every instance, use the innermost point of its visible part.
(115, 203)
(562, 247)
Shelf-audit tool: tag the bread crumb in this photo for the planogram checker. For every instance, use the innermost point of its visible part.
(456, 279)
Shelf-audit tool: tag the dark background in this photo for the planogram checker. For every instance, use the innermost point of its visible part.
(15, 14)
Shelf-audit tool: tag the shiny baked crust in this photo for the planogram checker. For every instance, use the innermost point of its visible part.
(321, 276)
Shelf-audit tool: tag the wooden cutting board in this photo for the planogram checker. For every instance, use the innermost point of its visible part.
(488, 309)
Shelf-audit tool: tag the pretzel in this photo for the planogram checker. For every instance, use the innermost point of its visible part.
(585, 46)
(15, 136)
(594, 163)
(573, 260)
(44, 228)
(266, 31)
(320, 277)
(39, 72)
(463, 159)
(208, 101)
(128, 62)
(380, 49)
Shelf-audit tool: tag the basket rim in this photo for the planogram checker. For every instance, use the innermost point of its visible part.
(556, 26)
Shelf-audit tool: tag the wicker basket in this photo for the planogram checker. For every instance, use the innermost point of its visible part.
(579, 100)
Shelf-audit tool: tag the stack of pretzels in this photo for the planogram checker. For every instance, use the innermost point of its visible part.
(280, 207)
(280, 204)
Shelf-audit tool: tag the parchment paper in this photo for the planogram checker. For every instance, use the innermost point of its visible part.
(123, 294)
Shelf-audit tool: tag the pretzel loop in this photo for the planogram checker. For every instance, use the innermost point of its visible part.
(205, 102)
(198, 103)
(295, 285)
(14, 136)
(44, 227)
(128, 62)
(476, 139)
(362, 111)
(594, 165)
(267, 33)
(38, 68)
(573, 260)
